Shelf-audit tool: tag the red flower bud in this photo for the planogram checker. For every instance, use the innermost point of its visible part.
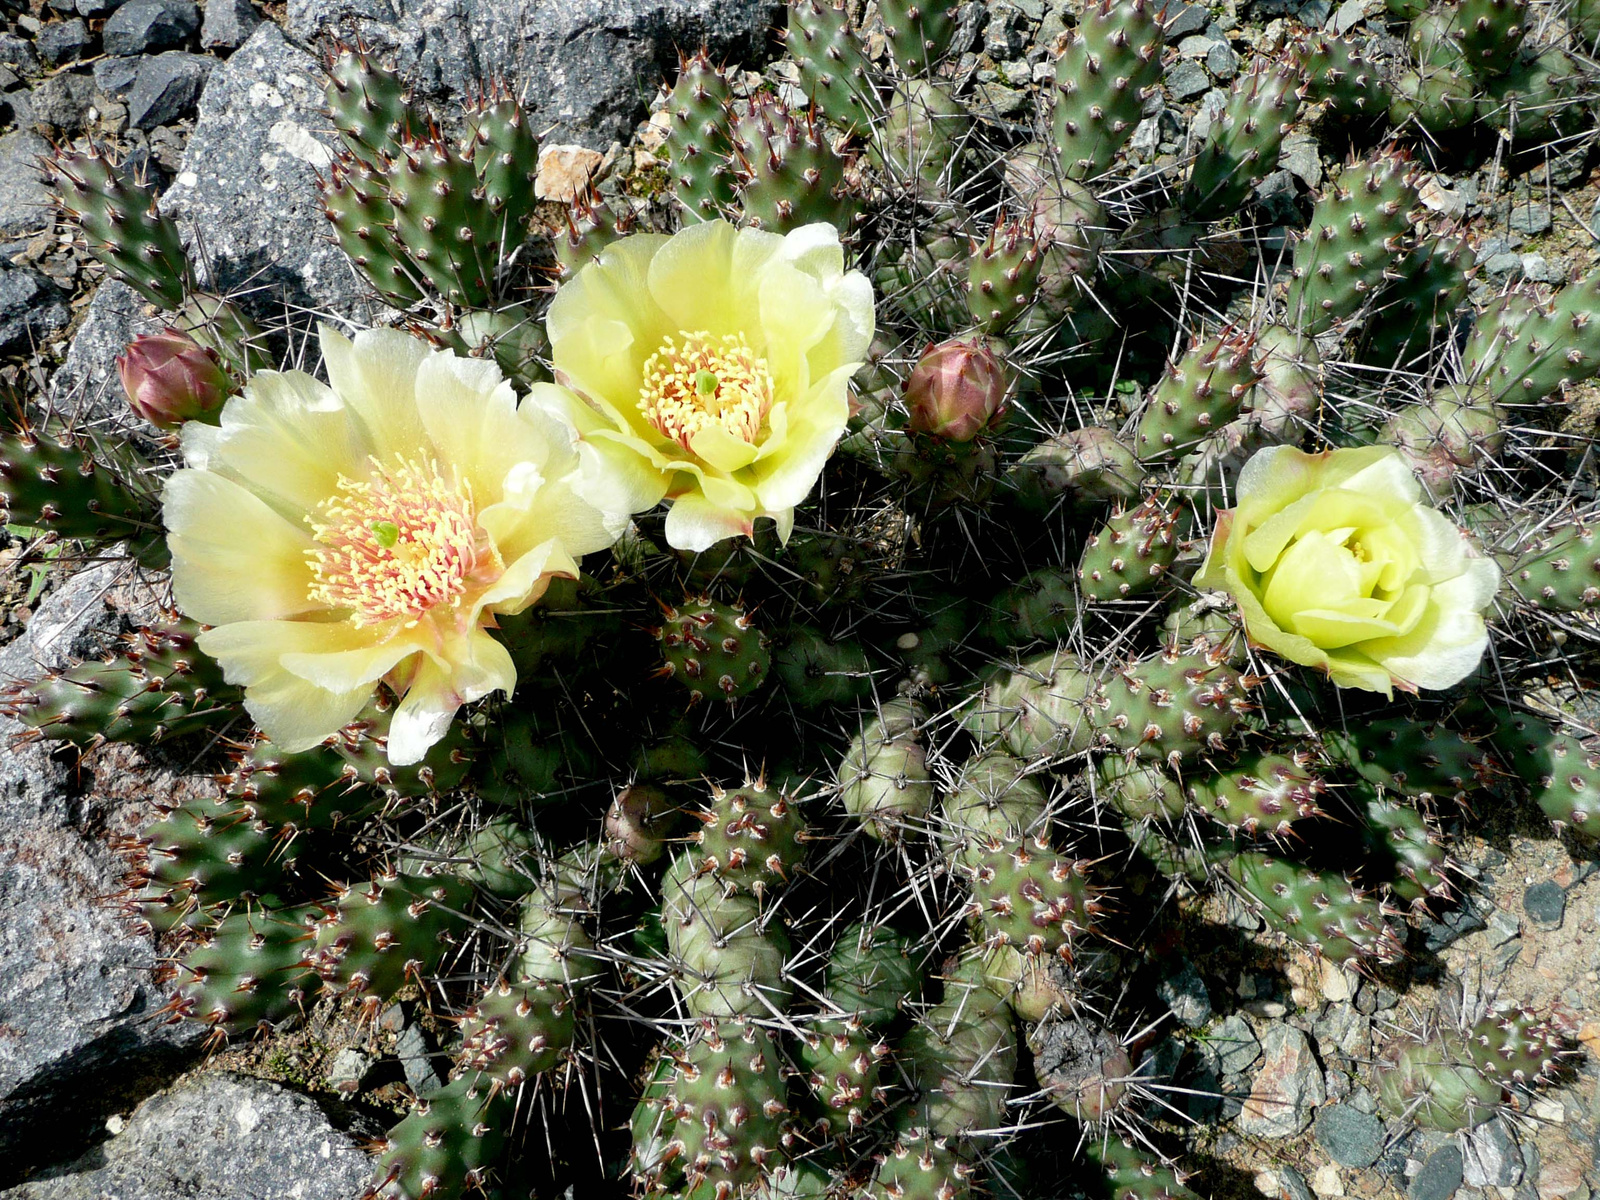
(170, 378)
(956, 391)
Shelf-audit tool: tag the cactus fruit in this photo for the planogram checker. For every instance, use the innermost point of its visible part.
(161, 686)
(751, 838)
(727, 1096)
(1456, 1079)
(515, 1032)
(1264, 794)
(833, 70)
(1559, 571)
(787, 172)
(1101, 80)
(1359, 227)
(446, 1147)
(1081, 467)
(51, 479)
(169, 378)
(884, 780)
(1562, 775)
(715, 650)
(728, 959)
(1133, 551)
(1244, 142)
(1318, 909)
(1200, 392)
(697, 147)
(248, 971)
(123, 229)
(919, 32)
(638, 824)
(957, 390)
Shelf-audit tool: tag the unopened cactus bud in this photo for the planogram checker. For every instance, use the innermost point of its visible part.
(170, 378)
(956, 391)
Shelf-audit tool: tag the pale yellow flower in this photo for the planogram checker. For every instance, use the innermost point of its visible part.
(372, 530)
(1335, 562)
(712, 369)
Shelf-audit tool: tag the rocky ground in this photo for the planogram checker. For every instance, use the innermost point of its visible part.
(99, 1097)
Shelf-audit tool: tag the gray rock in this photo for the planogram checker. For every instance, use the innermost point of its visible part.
(24, 199)
(588, 66)
(1343, 1029)
(1440, 1176)
(1196, 47)
(1235, 1045)
(115, 76)
(1206, 115)
(167, 87)
(1184, 992)
(1300, 158)
(1348, 15)
(1490, 1155)
(1351, 1138)
(62, 102)
(1146, 139)
(144, 26)
(1287, 1086)
(1291, 1185)
(1315, 13)
(1530, 219)
(87, 380)
(1538, 269)
(30, 309)
(1503, 926)
(82, 1038)
(217, 1137)
(227, 24)
(1468, 917)
(1546, 903)
(17, 52)
(96, 8)
(417, 1060)
(63, 42)
(1222, 61)
(349, 1068)
(1187, 78)
(1184, 19)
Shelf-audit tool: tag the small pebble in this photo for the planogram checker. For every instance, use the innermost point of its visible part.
(1351, 1138)
(1545, 903)
(1440, 1176)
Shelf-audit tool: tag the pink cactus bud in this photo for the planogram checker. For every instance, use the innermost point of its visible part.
(956, 391)
(170, 378)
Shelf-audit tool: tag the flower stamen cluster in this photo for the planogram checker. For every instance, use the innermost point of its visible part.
(698, 381)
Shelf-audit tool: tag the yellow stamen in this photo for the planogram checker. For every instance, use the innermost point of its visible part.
(696, 381)
(398, 544)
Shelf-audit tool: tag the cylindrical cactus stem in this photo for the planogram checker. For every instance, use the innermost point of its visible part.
(884, 781)
(1077, 469)
(919, 32)
(370, 105)
(697, 146)
(995, 800)
(51, 479)
(916, 1165)
(753, 838)
(1003, 275)
(1359, 228)
(593, 223)
(1245, 140)
(834, 75)
(1521, 350)
(714, 650)
(1420, 759)
(448, 1146)
(1171, 706)
(516, 1031)
(1453, 431)
(248, 972)
(962, 1058)
(1201, 391)
(122, 227)
(1101, 80)
(1410, 840)
(1132, 553)
(1040, 710)
(1135, 1172)
(1438, 99)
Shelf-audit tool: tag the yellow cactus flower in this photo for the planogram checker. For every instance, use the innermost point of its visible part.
(372, 530)
(1335, 562)
(712, 369)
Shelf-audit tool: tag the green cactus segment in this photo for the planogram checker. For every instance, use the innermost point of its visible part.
(697, 147)
(1417, 306)
(729, 961)
(51, 479)
(450, 235)
(1133, 1172)
(1139, 791)
(160, 686)
(1002, 276)
(922, 135)
(370, 106)
(1490, 33)
(505, 157)
(1171, 706)
(1079, 468)
(1339, 75)
(1043, 607)
(1562, 775)
(727, 1098)
(1559, 571)
(787, 173)
(884, 781)
(1040, 710)
(962, 1059)
(1521, 350)
(919, 1166)
(1101, 80)
(1359, 227)
(841, 1059)
(815, 670)
(995, 800)
(556, 946)
(447, 1147)
(517, 1031)
(1436, 98)
(1457, 1078)
(871, 973)
(375, 938)
(192, 861)
(714, 650)
(123, 229)
(1318, 909)
(1133, 551)
(1540, 96)
(1411, 843)
(592, 225)
(751, 838)
(926, 278)
(1027, 896)
(1244, 142)
(249, 971)
(1414, 758)
(1265, 794)
(919, 32)
(821, 38)
(1199, 393)
(355, 199)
